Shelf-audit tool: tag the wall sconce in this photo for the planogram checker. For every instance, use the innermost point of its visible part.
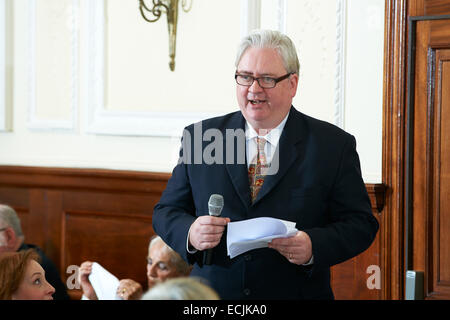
(170, 8)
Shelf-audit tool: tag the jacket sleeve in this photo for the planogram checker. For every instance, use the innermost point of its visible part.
(175, 212)
(351, 226)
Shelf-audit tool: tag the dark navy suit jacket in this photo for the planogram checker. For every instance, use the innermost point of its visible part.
(318, 185)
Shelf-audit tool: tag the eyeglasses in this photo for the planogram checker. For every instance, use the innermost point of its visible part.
(264, 82)
(3, 229)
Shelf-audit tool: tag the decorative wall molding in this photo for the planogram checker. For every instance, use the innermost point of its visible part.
(100, 120)
(2, 65)
(4, 114)
(279, 8)
(34, 122)
(339, 94)
(273, 15)
(250, 16)
(281, 15)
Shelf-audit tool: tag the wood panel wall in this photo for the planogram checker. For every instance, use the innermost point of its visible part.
(106, 216)
(76, 215)
(428, 7)
(360, 278)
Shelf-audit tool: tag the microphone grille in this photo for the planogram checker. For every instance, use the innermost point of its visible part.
(216, 200)
(215, 204)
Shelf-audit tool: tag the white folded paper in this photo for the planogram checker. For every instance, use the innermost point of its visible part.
(104, 283)
(250, 234)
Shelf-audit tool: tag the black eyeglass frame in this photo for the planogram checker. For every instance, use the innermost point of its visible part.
(276, 80)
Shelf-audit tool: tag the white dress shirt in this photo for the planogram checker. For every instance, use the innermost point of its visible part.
(272, 138)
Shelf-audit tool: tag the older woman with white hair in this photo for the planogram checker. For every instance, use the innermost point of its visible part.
(162, 263)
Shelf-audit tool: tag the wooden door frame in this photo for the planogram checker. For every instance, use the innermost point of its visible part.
(394, 139)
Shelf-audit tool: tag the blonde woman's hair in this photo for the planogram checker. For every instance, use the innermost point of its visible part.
(183, 288)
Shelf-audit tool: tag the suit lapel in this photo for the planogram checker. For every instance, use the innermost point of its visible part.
(288, 151)
(239, 178)
(238, 172)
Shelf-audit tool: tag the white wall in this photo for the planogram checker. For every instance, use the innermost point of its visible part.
(4, 67)
(92, 87)
(364, 82)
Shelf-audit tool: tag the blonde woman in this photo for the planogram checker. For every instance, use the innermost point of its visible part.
(183, 288)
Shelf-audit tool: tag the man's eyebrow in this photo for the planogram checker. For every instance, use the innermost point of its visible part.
(243, 72)
(272, 75)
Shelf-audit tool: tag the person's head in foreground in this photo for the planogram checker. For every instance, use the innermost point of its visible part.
(22, 277)
(183, 288)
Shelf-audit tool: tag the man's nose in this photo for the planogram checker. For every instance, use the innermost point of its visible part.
(255, 87)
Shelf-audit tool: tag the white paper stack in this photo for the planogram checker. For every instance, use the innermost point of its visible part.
(104, 283)
(250, 234)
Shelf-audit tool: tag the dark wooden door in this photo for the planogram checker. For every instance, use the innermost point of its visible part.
(428, 227)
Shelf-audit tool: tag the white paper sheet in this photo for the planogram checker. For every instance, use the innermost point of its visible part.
(104, 283)
(250, 234)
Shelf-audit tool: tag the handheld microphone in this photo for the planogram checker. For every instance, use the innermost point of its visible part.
(215, 206)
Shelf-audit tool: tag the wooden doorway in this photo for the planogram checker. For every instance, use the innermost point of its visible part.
(427, 219)
(408, 243)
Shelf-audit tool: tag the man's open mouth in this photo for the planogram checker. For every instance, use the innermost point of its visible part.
(256, 101)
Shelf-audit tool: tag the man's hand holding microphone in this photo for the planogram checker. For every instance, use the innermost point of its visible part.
(206, 231)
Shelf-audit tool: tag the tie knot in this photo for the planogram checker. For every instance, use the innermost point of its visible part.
(261, 142)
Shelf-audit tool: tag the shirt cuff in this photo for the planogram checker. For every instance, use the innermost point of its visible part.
(311, 261)
(193, 250)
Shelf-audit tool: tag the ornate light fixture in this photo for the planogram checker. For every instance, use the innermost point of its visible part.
(170, 8)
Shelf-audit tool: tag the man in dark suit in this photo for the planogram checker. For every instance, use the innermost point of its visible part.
(313, 178)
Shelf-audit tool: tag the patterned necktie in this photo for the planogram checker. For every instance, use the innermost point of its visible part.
(257, 169)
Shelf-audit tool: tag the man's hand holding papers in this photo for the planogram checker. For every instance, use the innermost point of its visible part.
(246, 235)
(297, 249)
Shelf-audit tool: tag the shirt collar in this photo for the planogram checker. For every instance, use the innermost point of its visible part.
(272, 137)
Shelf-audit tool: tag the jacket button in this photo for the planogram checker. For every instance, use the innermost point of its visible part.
(247, 292)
